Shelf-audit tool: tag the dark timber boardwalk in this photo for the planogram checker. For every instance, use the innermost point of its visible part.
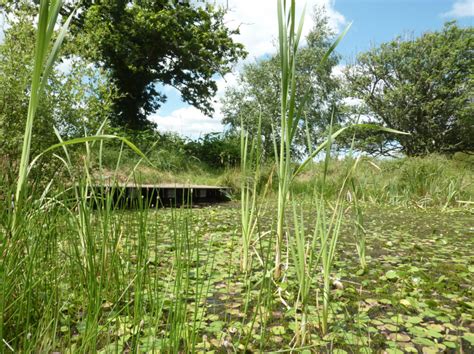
(166, 194)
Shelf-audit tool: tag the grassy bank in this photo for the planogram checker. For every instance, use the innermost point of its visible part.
(315, 257)
(430, 181)
(423, 182)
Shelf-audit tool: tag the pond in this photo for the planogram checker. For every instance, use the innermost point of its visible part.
(414, 296)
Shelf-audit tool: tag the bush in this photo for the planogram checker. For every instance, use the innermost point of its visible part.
(216, 149)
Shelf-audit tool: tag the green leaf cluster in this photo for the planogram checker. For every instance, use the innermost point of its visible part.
(258, 91)
(422, 86)
(77, 97)
(146, 43)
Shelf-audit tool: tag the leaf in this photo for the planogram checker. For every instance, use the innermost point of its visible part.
(335, 44)
(216, 326)
(391, 274)
(389, 327)
(278, 330)
(451, 345)
(213, 317)
(405, 302)
(43, 64)
(151, 344)
(435, 327)
(399, 337)
(423, 341)
(434, 334)
(469, 337)
(115, 347)
(414, 319)
(91, 139)
(393, 351)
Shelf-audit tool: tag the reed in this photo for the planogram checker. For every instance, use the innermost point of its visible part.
(78, 274)
(289, 35)
(359, 229)
(250, 169)
(16, 245)
(304, 256)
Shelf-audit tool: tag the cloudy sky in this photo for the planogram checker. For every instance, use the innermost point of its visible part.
(374, 22)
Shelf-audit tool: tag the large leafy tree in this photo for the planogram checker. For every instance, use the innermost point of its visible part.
(422, 86)
(257, 93)
(73, 102)
(143, 43)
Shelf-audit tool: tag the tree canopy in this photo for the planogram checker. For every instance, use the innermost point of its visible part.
(73, 102)
(257, 93)
(143, 43)
(422, 86)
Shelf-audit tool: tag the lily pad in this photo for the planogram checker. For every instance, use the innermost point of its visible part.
(391, 274)
(399, 337)
(469, 337)
(423, 341)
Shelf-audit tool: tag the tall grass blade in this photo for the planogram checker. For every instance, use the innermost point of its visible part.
(43, 64)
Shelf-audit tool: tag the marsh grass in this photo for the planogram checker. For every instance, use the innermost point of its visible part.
(438, 182)
(18, 253)
(303, 251)
(80, 274)
(358, 217)
(291, 116)
(31, 271)
(250, 165)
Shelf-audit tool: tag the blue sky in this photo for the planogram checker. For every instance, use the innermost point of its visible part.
(378, 21)
(374, 22)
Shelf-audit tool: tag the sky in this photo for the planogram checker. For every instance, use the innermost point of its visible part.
(373, 22)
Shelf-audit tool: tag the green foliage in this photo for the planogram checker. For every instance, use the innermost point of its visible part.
(78, 275)
(165, 151)
(421, 86)
(143, 43)
(209, 160)
(431, 181)
(74, 100)
(258, 91)
(216, 149)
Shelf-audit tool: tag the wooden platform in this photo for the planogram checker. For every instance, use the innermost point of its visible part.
(166, 194)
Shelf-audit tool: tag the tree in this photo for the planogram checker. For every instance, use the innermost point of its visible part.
(257, 93)
(143, 43)
(421, 86)
(77, 100)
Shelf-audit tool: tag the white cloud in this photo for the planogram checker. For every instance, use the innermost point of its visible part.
(258, 24)
(461, 8)
(2, 27)
(187, 121)
(338, 71)
(65, 65)
(190, 121)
